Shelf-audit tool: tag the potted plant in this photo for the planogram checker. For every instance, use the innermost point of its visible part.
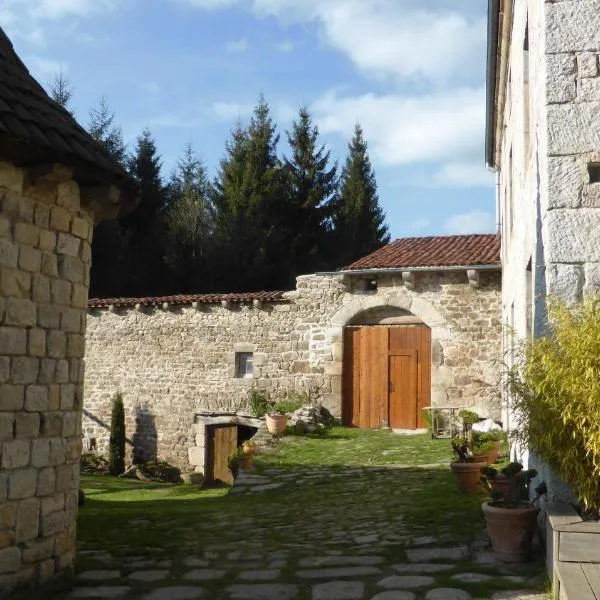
(465, 468)
(510, 517)
(249, 448)
(276, 422)
(484, 447)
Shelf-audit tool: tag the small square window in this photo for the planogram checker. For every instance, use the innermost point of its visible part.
(244, 363)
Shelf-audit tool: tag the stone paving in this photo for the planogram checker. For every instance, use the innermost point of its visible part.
(376, 558)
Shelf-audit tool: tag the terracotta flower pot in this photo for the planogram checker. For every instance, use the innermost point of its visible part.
(494, 453)
(482, 457)
(276, 423)
(248, 449)
(468, 476)
(511, 530)
(246, 462)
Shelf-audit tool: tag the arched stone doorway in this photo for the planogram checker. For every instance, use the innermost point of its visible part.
(386, 369)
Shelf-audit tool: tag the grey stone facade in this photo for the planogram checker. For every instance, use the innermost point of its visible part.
(173, 363)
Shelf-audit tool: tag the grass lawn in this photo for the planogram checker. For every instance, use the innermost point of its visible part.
(341, 489)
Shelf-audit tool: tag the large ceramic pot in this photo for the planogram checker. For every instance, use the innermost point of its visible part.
(511, 530)
(468, 476)
(276, 423)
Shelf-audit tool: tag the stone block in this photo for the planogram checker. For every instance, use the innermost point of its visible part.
(47, 240)
(67, 477)
(37, 342)
(30, 259)
(52, 504)
(75, 345)
(41, 216)
(80, 228)
(587, 65)
(196, 456)
(57, 344)
(49, 264)
(333, 368)
(72, 269)
(4, 227)
(8, 514)
(70, 420)
(62, 371)
(28, 520)
(27, 425)
(36, 398)
(41, 289)
(12, 396)
(7, 420)
(40, 452)
(37, 550)
(67, 195)
(65, 562)
(47, 372)
(27, 234)
(60, 219)
(4, 368)
(588, 90)
(573, 128)
(53, 523)
(566, 180)
(22, 484)
(572, 236)
(48, 316)
(73, 449)
(15, 454)
(24, 369)
(561, 74)
(68, 244)
(79, 296)
(9, 254)
(11, 178)
(70, 321)
(60, 291)
(13, 340)
(572, 27)
(10, 560)
(20, 312)
(7, 538)
(46, 570)
(46, 483)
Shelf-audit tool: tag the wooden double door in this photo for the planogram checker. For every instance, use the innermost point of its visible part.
(387, 376)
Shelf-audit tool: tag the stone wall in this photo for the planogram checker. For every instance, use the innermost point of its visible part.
(170, 364)
(44, 270)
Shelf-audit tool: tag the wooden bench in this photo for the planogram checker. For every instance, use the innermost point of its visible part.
(577, 581)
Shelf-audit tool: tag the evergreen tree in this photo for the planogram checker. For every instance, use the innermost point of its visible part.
(249, 198)
(311, 186)
(190, 222)
(358, 220)
(61, 90)
(116, 463)
(103, 129)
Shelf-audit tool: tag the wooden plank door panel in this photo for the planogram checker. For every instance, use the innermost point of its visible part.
(373, 375)
(223, 445)
(403, 390)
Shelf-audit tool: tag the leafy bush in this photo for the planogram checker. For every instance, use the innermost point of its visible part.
(259, 405)
(160, 471)
(117, 436)
(554, 391)
(286, 406)
(93, 464)
(469, 418)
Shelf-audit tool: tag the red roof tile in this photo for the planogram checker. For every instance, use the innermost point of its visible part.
(187, 299)
(435, 251)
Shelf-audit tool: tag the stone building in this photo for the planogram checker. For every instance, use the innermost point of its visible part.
(55, 182)
(415, 323)
(543, 141)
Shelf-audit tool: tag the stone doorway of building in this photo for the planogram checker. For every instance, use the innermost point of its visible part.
(386, 376)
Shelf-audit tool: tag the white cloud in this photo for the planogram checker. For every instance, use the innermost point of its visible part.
(57, 9)
(462, 174)
(228, 111)
(476, 221)
(240, 45)
(45, 68)
(286, 46)
(401, 129)
(420, 224)
(382, 37)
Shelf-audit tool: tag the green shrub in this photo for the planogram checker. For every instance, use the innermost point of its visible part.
(160, 471)
(93, 464)
(554, 391)
(469, 418)
(286, 406)
(259, 405)
(117, 437)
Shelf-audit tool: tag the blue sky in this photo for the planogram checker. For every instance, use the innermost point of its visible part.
(411, 71)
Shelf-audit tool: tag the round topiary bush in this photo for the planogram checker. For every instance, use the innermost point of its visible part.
(554, 391)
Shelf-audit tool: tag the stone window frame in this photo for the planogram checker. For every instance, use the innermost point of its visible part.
(258, 359)
(244, 362)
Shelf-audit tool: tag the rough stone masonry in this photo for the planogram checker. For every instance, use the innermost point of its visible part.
(171, 362)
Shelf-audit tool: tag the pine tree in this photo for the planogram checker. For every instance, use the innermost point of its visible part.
(249, 198)
(61, 90)
(116, 464)
(103, 129)
(358, 219)
(190, 222)
(311, 187)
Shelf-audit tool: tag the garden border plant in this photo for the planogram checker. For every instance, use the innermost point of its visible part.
(554, 392)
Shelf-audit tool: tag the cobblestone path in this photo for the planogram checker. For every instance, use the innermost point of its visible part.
(309, 534)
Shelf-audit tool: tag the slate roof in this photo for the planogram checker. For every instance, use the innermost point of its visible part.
(35, 130)
(435, 251)
(188, 299)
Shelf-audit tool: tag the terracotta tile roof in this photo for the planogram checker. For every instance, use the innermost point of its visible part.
(188, 299)
(35, 130)
(435, 251)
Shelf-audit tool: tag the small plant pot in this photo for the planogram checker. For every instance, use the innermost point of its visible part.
(482, 457)
(248, 450)
(468, 476)
(511, 530)
(246, 462)
(494, 453)
(276, 423)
